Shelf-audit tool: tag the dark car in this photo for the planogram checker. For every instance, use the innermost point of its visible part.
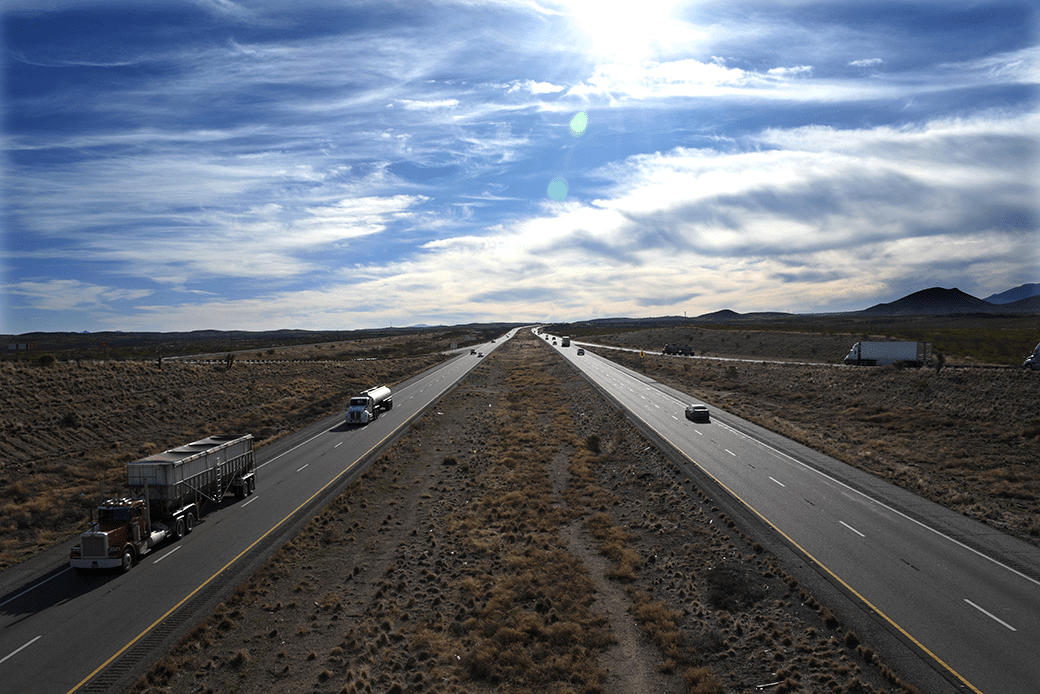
(580, 352)
(697, 413)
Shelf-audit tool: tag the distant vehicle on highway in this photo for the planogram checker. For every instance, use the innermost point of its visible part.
(885, 353)
(677, 349)
(473, 351)
(697, 413)
(480, 354)
(581, 352)
(1033, 360)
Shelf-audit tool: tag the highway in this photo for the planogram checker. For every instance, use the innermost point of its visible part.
(963, 596)
(63, 632)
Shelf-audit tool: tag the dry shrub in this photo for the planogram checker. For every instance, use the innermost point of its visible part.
(661, 623)
(702, 680)
(732, 587)
(613, 545)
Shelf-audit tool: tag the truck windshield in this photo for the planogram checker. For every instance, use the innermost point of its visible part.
(359, 402)
(114, 515)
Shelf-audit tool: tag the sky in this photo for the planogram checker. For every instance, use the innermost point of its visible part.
(339, 165)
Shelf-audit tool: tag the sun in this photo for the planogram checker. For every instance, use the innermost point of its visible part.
(625, 31)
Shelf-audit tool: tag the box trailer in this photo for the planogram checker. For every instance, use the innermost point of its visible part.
(885, 353)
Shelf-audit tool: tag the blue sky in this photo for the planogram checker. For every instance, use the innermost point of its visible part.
(257, 165)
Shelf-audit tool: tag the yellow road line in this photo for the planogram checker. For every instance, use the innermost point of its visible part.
(823, 566)
(223, 568)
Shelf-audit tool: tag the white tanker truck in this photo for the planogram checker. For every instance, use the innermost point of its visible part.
(363, 408)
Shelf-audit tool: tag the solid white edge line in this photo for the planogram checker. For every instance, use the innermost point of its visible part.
(778, 481)
(883, 505)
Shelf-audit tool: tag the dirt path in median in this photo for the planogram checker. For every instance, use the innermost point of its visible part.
(522, 537)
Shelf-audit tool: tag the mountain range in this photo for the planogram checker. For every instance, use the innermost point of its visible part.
(939, 301)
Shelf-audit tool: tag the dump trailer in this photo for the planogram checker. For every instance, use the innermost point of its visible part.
(1033, 360)
(565, 342)
(885, 353)
(170, 492)
(363, 408)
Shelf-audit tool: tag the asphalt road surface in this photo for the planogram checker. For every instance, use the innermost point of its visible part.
(962, 595)
(63, 632)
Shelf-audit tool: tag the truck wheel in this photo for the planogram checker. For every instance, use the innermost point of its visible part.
(240, 490)
(250, 487)
(128, 560)
(189, 522)
(179, 530)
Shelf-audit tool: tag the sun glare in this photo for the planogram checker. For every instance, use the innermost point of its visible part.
(625, 31)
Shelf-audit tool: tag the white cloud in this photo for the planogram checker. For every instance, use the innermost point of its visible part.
(535, 87)
(867, 62)
(659, 80)
(416, 105)
(791, 71)
(65, 295)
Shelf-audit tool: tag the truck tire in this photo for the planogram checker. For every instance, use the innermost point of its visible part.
(251, 486)
(179, 529)
(240, 490)
(128, 560)
(189, 522)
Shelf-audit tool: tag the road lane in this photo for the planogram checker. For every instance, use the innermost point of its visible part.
(919, 582)
(63, 632)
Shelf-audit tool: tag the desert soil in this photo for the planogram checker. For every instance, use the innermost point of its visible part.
(523, 536)
(967, 438)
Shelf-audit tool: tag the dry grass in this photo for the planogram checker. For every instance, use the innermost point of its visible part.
(965, 438)
(65, 428)
(461, 577)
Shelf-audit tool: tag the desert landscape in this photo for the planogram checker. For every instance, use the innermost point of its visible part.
(523, 536)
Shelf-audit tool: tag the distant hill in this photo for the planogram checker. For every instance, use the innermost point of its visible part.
(931, 301)
(728, 316)
(1025, 291)
(939, 301)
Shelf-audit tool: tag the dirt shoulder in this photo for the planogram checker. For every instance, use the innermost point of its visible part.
(521, 537)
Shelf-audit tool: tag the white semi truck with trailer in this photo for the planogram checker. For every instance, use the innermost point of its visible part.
(363, 408)
(886, 353)
(1033, 360)
(170, 492)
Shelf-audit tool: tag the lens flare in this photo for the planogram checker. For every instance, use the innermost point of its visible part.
(579, 123)
(558, 188)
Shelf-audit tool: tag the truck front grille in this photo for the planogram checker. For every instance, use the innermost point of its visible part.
(94, 546)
